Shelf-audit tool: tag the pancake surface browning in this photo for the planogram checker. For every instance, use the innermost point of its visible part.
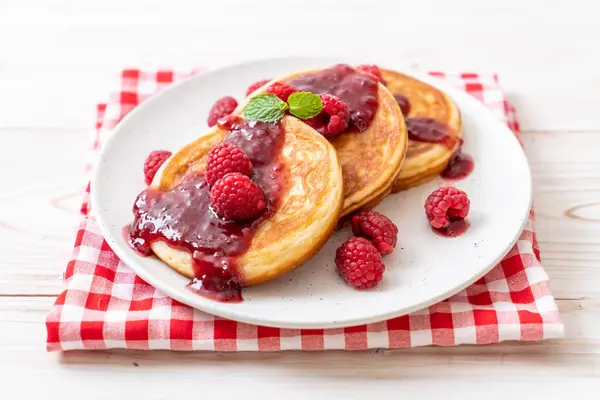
(308, 209)
(371, 159)
(424, 160)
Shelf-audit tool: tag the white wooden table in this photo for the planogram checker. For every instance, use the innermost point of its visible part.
(57, 60)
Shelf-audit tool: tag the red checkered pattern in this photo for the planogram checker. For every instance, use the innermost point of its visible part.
(105, 305)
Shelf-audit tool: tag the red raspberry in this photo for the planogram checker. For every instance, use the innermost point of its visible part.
(333, 119)
(225, 158)
(359, 263)
(236, 197)
(373, 70)
(256, 85)
(446, 204)
(153, 163)
(221, 108)
(377, 228)
(281, 90)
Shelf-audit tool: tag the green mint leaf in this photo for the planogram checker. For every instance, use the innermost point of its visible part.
(305, 105)
(265, 107)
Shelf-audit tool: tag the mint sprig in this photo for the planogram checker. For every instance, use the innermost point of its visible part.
(267, 107)
(305, 105)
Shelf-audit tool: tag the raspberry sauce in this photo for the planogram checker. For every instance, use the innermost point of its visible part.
(182, 218)
(456, 228)
(357, 90)
(459, 167)
(403, 103)
(423, 129)
(430, 130)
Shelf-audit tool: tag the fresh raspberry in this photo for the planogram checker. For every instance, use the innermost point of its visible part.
(281, 90)
(333, 119)
(446, 204)
(373, 70)
(359, 263)
(256, 85)
(377, 228)
(221, 108)
(225, 158)
(236, 197)
(153, 163)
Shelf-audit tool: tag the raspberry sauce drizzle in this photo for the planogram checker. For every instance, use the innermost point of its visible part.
(424, 129)
(182, 218)
(403, 103)
(357, 90)
(460, 165)
(455, 228)
(430, 130)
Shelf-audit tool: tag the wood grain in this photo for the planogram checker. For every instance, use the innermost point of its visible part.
(23, 334)
(565, 169)
(74, 47)
(43, 191)
(22, 319)
(58, 59)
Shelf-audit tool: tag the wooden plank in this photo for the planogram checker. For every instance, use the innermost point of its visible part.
(73, 49)
(566, 179)
(41, 187)
(67, 50)
(576, 360)
(298, 375)
(23, 328)
(334, 375)
(43, 193)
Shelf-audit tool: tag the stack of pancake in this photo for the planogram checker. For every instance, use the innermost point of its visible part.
(328, 180)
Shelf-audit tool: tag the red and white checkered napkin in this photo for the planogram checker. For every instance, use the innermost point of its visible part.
(105, 305)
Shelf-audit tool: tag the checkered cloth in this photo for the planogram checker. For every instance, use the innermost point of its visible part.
(105, 305)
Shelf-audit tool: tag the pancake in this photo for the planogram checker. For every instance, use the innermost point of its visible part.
(425, 160)
(308, 207)
(370, 160)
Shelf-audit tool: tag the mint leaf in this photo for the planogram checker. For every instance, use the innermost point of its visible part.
(265, 107)
(305, 104)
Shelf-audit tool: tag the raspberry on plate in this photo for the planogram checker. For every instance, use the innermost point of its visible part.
(373, 70)
(334, 118)
(153, 163)
(221, 108)
(236, 197)
(377, 228)
(446, 204)
(281, 90)
(256, 85)
(225, 158)
(359, 263)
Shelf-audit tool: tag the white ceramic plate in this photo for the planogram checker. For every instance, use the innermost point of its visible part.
(424, 269)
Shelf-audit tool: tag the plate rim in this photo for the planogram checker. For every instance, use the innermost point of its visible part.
(347, 322)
